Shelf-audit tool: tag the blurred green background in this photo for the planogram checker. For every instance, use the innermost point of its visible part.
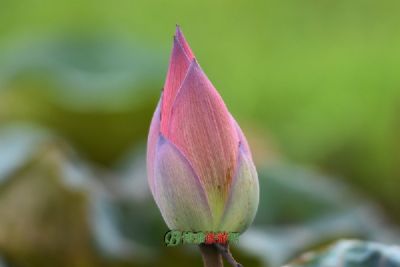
(315, 85)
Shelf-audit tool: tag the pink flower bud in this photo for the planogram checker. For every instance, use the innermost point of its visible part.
(200, 169)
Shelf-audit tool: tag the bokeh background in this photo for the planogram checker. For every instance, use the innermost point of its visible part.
(314, 84)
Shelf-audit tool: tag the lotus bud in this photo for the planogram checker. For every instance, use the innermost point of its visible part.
(200, 168)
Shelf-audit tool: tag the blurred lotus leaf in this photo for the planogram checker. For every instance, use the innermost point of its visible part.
(351, 253)
(301, 209)
(17, 144)
(48, 199)
(124, 218)
(42, 222)
(58, 210)
(98, 91)
(56, 206)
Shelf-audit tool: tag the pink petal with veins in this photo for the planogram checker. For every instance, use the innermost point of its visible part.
(178, 67)
(201, 127)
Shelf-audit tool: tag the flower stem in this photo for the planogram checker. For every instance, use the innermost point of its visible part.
(211, 256)
(226, 253)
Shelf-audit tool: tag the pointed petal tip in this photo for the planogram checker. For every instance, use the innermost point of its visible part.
(195, 72)
(194, 61)
(182, 40)
(177, 29)
(178, 35)
(176, 42)
(179, 49)
(194, 66)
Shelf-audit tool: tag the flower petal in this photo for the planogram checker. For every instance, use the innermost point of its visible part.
(154, 134)
(242, 139)
(242, 205)
(181, 38)
(202, 129)
(178, 67)
(180, 195)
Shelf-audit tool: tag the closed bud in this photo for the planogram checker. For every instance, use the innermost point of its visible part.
(200, 168)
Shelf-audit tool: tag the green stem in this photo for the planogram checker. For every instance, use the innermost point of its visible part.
(211, 256)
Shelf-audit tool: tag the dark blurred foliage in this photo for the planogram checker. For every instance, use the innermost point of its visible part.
(314, 84)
